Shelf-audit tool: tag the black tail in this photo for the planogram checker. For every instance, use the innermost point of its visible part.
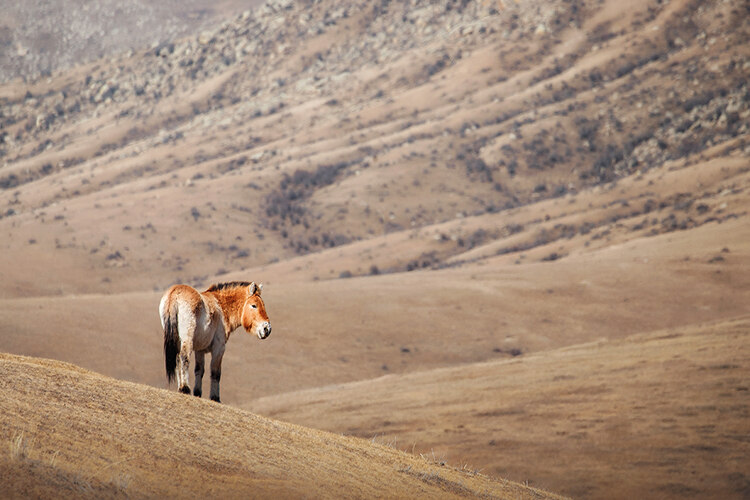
(171, 345)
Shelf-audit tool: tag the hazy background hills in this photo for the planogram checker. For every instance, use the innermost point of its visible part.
(496, 212)
(39, 37)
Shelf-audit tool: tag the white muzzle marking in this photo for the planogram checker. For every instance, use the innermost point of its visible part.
(263, 330)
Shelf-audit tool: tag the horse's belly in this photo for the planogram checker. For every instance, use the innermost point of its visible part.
(204, 334)
(202, 343)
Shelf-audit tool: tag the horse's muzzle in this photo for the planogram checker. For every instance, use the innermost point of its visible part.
(264, 331)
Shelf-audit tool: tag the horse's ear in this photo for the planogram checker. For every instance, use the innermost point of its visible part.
(260, 288)
(251, 288)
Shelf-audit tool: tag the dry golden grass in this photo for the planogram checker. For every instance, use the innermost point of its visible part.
(663, 414)
(71, 433)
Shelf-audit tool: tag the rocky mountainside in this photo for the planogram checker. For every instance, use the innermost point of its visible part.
(341, 122)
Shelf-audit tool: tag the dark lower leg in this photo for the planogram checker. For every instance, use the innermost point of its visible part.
(199, 366)
(215, 379)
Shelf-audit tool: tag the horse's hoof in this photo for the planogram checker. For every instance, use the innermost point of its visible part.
(215, 398)
(197, 393)
(185, 390)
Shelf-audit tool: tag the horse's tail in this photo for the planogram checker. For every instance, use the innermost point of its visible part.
(171, 340)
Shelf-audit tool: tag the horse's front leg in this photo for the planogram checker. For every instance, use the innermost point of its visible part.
(199, 368)
(216, 356)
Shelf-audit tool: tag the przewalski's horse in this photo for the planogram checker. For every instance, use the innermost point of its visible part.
(202, 322)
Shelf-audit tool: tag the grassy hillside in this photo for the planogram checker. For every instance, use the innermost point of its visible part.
(663, 414)
(70, 433)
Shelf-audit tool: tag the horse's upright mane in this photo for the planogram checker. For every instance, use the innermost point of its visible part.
(224, 286)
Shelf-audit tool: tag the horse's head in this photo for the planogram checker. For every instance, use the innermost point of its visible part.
(254, 316)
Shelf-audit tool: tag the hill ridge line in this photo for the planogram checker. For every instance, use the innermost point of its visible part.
(110, 414)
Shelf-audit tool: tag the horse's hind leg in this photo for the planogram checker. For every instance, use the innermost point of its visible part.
(199, 367)
(183, 365)
(216, 374)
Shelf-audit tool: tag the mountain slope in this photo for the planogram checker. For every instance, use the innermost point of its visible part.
(73, 433)
(304, 126)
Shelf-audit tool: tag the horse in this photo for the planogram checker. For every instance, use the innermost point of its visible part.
(202, 322)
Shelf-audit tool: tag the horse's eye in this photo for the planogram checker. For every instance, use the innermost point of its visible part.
(254, 306)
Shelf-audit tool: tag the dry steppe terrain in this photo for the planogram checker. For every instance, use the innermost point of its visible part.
(76, 434)
(599, 415)
(512, 236)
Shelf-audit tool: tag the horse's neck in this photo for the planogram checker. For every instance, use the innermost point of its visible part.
(230, 304)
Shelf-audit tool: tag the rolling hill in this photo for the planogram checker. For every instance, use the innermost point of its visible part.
(662, 414)
(507, 234)
(75, 434)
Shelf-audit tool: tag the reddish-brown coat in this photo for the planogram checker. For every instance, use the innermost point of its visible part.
(203, 321)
